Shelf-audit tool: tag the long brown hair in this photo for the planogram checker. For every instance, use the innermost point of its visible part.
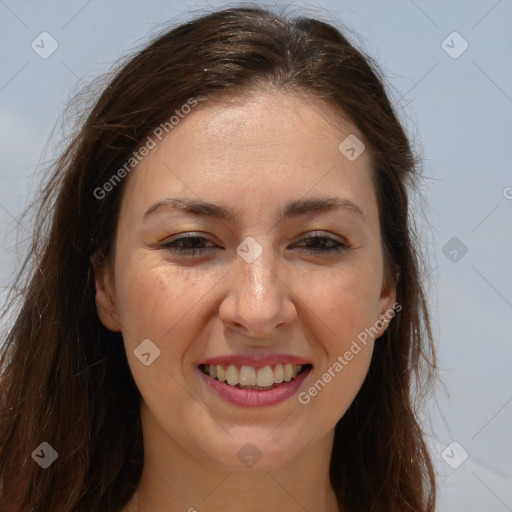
(64, 377)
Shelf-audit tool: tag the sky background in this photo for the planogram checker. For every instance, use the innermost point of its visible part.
(454, 93)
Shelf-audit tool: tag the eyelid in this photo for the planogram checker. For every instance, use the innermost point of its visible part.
(185, 235)
(341, 244)
(167, 244)
(322, 234)
(340, 247)
(310, 234)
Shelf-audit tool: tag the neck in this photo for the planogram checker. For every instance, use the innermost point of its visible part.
(231, 492)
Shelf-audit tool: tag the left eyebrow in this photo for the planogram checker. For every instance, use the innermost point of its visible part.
(292, 209)
(321, 205)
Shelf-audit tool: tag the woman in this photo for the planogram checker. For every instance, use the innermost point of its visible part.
(224, 310)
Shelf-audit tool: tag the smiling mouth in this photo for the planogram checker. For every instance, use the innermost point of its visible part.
(250, 378)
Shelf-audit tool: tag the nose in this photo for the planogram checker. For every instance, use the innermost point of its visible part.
(258, 300)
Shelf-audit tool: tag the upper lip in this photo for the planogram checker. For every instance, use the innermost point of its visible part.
(255, 361)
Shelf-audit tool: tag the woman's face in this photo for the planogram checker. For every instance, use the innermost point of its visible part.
(270, 279)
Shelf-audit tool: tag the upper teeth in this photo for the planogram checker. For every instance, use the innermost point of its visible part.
(249, 376)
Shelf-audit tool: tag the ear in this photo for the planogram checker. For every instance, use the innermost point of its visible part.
(387, 303)
(105, 305)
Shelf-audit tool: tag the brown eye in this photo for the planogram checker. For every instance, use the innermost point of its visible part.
(319, 244)
(188, 245)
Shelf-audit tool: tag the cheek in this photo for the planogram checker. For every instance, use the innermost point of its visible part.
(152, 300)
(157, 305)
(345, 302)
(345, 309)
(168, 306)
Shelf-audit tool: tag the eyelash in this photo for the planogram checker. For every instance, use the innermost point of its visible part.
(340, 247)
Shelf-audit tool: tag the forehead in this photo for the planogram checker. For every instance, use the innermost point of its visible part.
(255, 150)
(267, 121)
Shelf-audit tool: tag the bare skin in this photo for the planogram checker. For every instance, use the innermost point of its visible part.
(254, 157)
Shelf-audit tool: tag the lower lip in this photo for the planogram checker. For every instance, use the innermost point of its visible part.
(253, 398)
